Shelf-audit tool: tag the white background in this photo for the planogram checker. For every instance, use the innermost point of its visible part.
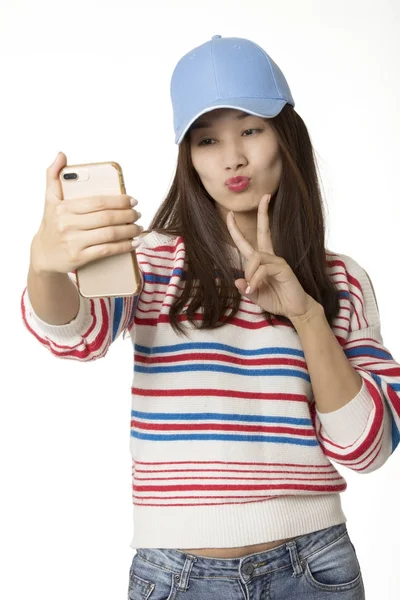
(92, 79)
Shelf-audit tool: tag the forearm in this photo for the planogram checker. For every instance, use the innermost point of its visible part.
(53, 296)
(333, 379)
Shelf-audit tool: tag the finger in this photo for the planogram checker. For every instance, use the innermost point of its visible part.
(241, 285)
(101, 218)
(252, 266)
(95, 203)
(244, 246)
(106, 235)
(264, 240)
(53, 183)
(259, 277)
(95, 252)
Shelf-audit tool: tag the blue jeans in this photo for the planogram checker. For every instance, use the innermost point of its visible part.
(318, 565)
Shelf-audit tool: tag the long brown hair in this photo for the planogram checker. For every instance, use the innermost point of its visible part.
(297, 228)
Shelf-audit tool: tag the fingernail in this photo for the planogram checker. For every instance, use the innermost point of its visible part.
(136, 242)
(133, 202)
(248, 289)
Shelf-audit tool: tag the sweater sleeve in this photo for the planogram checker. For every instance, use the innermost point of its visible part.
(88, 336)
(365, 432)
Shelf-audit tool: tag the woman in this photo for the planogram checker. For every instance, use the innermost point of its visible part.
(258, 355)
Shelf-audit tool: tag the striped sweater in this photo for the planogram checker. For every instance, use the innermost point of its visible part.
(228, 447)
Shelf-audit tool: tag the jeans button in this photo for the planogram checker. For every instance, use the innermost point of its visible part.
(248, 569)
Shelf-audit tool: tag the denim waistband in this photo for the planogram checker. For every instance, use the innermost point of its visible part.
(258, 563)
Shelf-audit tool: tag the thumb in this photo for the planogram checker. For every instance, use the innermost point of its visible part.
(53, 183)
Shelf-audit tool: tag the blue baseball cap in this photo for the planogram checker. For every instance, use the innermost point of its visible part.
(228, 72)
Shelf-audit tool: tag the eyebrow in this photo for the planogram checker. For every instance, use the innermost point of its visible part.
(204, 124)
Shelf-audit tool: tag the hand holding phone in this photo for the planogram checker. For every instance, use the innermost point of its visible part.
(94, 230)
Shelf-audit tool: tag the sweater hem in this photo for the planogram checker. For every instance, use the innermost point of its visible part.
(235, 525)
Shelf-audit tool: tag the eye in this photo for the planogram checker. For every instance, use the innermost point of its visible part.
(207, 139)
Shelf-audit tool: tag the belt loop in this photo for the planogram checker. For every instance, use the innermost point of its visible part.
(183, 578)
(294, 557)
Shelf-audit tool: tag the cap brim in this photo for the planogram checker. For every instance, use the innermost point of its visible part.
(259, 107)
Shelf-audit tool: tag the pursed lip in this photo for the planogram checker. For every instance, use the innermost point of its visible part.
(236, 180)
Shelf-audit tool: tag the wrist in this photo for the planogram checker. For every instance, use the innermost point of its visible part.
(36, 265)
(38, 271)
(314, 312)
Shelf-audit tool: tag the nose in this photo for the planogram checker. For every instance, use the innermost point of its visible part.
(234, 157)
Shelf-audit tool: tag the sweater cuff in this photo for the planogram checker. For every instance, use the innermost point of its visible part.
(345, 425)
(66, 332)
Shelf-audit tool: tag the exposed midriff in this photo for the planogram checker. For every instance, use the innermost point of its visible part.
(234, 552)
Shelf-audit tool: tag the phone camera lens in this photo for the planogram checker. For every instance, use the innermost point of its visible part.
(70, 176)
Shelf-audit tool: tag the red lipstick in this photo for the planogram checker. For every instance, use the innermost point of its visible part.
(237, 184)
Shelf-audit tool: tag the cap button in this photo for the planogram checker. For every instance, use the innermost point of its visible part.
(215, 37)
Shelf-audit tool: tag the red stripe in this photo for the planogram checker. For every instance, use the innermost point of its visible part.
(217, 356)
(254, 472)
(235, 488)
(164, 318)
(385, 370)
(240, 463)
(228, 393)
(358, 341)
(194, 427)
(336, 477)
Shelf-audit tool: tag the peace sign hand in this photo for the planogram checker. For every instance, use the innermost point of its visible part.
(273, 284)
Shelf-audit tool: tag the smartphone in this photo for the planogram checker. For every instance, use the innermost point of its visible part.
(116, 275)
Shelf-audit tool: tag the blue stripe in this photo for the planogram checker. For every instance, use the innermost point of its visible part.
(370, 350)
(226, 437)
(216, 346)
(182, 274)
(220, 417)
(118, 309)
(222, 369)
(162, 278)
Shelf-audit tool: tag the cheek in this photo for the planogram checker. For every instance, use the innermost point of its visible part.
(275, 164)
(205, 166)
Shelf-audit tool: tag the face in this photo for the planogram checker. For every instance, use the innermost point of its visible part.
(229, 147)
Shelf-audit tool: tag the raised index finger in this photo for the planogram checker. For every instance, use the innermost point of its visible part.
(90, 204)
